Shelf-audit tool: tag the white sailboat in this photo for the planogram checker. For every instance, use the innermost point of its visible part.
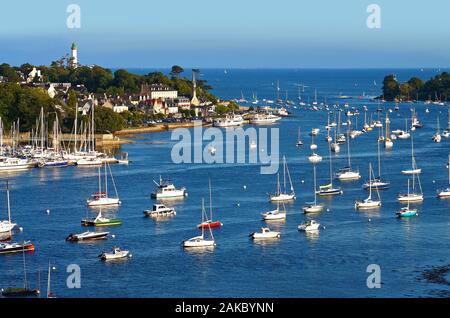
(414, 196)
(369, 203)
(437, 136)
(414, 169)
(283, 195)
(346, 173)
(313, 207)
(329, 189)
(299, 141)
(200, 241)
(102, 198)
(314, 157)
(377, 183)
(6, 226)
(445, 193)
(275, 215)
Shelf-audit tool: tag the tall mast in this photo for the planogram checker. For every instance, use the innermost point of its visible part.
(315, 194)
(76, 127)
(106, 181)
(8, 201)
(370, 180)
(331, 169)
(379, 159)
(210, 200)
(48, 280)
(99, 182)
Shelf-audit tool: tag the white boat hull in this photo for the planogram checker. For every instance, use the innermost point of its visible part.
(103, 202)
(410, 198)
(282, 197)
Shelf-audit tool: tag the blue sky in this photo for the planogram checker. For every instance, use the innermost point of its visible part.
(229, 33)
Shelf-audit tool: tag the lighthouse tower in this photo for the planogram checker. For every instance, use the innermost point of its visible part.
(73, 61)
(194, 100)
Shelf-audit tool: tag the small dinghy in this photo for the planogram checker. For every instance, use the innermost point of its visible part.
(265, 234)
(309, 226)
(7, 248)
(116, 254)
(87, 236)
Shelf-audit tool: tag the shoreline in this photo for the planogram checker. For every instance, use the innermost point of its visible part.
(156, 128)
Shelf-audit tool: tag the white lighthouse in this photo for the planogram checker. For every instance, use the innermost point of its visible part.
(73, 61)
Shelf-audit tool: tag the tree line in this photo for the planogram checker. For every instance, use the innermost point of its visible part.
(437, 87)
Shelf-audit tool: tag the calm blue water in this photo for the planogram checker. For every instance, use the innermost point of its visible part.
(331, 264)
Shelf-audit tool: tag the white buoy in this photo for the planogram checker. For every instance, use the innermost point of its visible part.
(328, 210)
(303, 181)
(238, 204)
(113, 236)
(434, 181)
(54, 268)
(47, 211)
(245, 187)
(370, 220)
(21, 229)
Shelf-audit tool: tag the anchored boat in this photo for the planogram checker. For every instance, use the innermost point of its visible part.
(166, 190)
(87, 236)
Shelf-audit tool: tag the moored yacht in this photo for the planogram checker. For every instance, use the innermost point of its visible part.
(159, 211)
(229, 121)
(310, 225)
(166, 190)
(264, 119)
(265, 234)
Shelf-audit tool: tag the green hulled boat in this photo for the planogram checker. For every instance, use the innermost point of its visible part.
(19, 292)
(101, 221)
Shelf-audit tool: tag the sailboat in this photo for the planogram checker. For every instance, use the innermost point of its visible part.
(102, 198)
(346, 173)
(313, 207)
(299, 141)
(377, 183)
(314, 157)
(100, 220)
(388, 144)
(445, 193)
(414, 196)
(276, 214)
(407, 211)
(200, 241)
(209, 223)
(414, 169)
(328, 189)
(369, 203)
(437, 136)
(283, 195)
(21, 291)
(49, 293)
(6, 226)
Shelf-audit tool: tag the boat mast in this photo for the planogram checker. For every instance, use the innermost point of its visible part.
(379, 160)
(106, 181)
(370, 181)
(8, 201)
(284, 173)
(203, 211)
(76, 127)
(99, 183)
(48, 281)
(315, 194)
(331, 168)
(210, 200)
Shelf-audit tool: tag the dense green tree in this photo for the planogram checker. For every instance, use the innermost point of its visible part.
(176, 71)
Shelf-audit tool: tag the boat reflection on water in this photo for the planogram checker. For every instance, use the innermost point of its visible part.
(312, 235)
(206, 250)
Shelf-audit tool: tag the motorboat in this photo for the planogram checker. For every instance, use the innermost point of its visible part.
(310, 225)
(229, 121)
(9, 164)
(264, 119)
(160, 210)
(116, 254)
(87, 236)
(265, 234)
(14, 247)
(166, 190)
